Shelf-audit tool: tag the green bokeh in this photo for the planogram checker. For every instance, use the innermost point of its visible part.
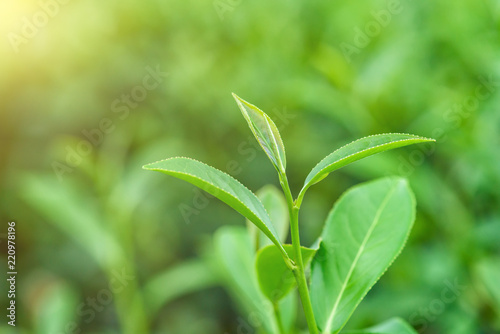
(327, 72)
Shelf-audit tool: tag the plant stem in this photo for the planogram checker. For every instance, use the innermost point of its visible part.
(299, 271)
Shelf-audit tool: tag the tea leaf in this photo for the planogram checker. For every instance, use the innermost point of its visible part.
(265, 131)
(365, 231)
(275, 278)
(357, 150)
(224, 187)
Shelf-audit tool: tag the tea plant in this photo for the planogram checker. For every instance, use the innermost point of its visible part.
(363, 234)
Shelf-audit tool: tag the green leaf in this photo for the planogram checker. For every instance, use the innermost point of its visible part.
(392, 326)
(488, 271)
(68, 206)
(275, 204)
(224, 187)
(187, 277)
(54, 297)
(365, 231)
(288, 312)
(357, 150)
(265, 131)
(236, 259)
(275, 278)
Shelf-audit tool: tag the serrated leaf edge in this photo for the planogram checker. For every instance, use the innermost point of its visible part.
(412, 196)
(279, 164)
(310, 183)
(276, 241)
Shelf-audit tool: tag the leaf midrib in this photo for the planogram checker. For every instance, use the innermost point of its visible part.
(271, 132)
(358, 255)
(322, 170)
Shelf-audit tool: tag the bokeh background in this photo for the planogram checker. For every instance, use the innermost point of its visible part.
(90, 91)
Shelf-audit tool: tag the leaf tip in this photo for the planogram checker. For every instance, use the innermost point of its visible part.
(237, 98)
(426, 139)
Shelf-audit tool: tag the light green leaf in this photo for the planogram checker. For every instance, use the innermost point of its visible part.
(275, 204)
(488, 271)
(187, 277)
(265, 131)
(236, 259)
(224, 187)
(392, 326)
(365, 231)
(69, 207)
(55, 298)
(357, 150)
(288, 312)
(275, 278)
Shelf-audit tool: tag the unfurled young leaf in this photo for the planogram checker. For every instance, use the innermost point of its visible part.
(275, 278)
(265, 131)
(357, 150)
(222, 186)
(364, 233)
(275, 204)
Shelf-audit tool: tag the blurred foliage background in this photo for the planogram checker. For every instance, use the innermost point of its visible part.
(91, 91)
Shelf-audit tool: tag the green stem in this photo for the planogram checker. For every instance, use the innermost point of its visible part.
(299, 271)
